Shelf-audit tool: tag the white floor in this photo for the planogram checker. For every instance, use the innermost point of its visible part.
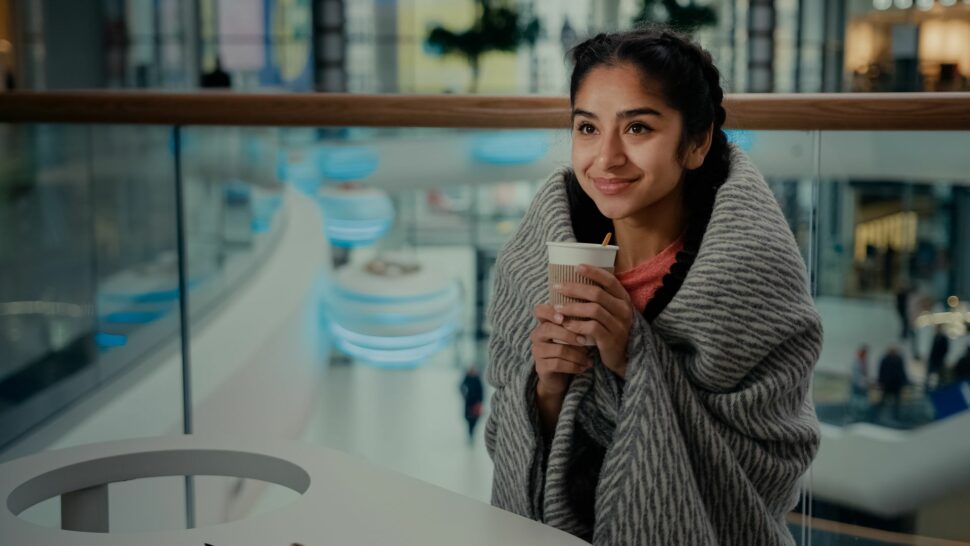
(410, 421)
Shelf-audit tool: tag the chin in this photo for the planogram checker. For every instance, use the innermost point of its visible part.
(612, 209)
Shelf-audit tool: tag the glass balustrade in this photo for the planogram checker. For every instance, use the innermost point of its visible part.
(337, 281)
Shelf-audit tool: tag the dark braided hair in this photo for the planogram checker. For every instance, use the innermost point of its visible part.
(689, 83)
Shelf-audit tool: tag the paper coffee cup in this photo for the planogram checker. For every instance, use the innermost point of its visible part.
(563, 259)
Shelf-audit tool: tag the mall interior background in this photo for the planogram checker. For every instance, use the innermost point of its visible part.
(338, 278)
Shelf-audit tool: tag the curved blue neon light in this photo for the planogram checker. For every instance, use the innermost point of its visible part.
(450, 291)
(345, 164)
(394, 319)
(264, 210)
(150, 296)
(105, 340)
(510, 147)
(392, 343)
(351, 220)
(434, 323)
(392, 359)
(303, 176)
(132, 317)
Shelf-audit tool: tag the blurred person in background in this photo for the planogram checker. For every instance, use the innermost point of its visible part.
(892, 379)
(473, 393)
(859, 395)
(902, 309)
(937, 359)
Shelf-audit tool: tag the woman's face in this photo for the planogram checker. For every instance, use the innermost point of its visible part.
(625, 140)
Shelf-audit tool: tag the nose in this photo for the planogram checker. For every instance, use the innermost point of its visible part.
(611, 152)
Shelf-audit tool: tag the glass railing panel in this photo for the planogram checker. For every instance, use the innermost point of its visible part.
(133, 176)
(48, 289)
(232, 200)
(89, 242)
(893, 281)
(243, 289)
(89, 321)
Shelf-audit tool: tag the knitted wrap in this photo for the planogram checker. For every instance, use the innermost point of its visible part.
(705, 440)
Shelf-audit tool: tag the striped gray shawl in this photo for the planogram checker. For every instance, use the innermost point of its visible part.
(705, 441)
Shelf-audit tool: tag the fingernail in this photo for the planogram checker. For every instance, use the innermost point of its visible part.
(558, 318)
(556, 287)
(581, 268)
(581, 340)
(557, 307)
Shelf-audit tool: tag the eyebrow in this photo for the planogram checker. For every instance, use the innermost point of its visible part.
(645, 111)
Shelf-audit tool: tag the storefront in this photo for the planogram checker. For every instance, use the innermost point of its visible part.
(902, 45)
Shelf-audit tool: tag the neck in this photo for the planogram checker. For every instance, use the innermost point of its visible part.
(647, 233)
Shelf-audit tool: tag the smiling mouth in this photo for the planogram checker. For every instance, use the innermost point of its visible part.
(612, 186)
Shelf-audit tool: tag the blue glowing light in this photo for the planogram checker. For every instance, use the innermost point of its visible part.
(396, 343)
(350, 233)
(260, 225)
(267, 206)
(450, 291)
(302, 175)
(410, 358)
(398, 350)
(264, 209)
(392, 330)
(150, 296)
(345, 164)
(107, 341)
(510, 147)
(355, 218)
(742, 138)
(132, 317)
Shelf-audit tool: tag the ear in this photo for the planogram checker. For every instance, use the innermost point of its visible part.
(698, 150)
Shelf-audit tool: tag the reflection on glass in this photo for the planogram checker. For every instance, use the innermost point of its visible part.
(892, 279)
(47, 250)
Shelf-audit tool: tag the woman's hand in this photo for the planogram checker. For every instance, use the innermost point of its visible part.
(556, 362)
(605, 315)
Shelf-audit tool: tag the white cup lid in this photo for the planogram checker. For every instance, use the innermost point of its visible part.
(564, 253)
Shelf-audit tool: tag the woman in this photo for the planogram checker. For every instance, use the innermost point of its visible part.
(690, 422)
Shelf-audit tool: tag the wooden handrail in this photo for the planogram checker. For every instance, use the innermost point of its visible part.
(837, 111)
(857, 531)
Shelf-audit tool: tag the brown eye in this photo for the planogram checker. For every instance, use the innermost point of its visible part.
(639, 129)
(585, 129)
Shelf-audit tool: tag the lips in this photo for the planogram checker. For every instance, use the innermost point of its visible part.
(612, 186)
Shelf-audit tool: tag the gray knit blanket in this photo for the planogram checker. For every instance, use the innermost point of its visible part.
(706, 439)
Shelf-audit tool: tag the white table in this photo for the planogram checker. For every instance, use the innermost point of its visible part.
(344, 500)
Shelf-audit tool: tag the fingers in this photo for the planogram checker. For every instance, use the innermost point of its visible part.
(595, 294)
(547, 332)
(588, 311)
(568, 353)
(547, 313)
(588, 328)
(556, 365)
(621, 309)
(605, 279)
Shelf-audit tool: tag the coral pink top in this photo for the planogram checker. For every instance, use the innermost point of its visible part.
(642, 281)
